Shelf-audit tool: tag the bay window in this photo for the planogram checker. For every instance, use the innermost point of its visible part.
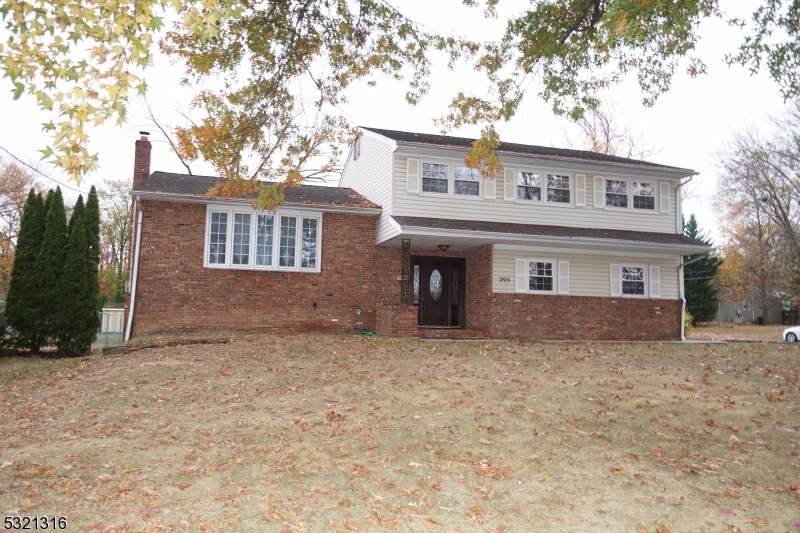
(246, 238)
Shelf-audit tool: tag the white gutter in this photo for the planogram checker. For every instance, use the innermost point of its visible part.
(135, 273)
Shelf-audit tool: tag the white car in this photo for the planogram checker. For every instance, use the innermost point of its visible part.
(791, 334)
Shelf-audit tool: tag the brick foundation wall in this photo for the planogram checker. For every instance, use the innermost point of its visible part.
(176, 293)
(397, 320)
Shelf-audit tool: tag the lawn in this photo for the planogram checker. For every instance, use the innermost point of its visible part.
(344, 433)
(740, 332)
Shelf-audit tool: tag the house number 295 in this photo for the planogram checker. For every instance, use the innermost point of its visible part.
(504, 279)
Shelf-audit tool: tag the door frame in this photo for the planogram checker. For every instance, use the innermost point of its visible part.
(462, 277)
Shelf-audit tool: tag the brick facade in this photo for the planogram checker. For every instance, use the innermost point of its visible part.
(176, 293)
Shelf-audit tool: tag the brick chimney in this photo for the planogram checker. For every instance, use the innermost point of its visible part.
(141, 160)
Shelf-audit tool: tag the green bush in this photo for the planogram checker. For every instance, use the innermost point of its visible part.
(688, 319)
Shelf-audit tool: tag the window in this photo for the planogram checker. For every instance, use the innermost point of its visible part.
(434, 177)
(529, 186)
(264, 237)
(632, 280)
(416, 284)
(308, 256)
(540, 276)
(288, 239)
(644, 196)
(218, 238)
(558, 188)
(617, 193)
(467, 181)
(241, 238)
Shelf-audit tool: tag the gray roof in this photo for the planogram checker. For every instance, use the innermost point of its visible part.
(198, 186)
(550, 231)
(527, 149)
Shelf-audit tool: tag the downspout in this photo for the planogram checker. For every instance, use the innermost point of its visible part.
(135, 271)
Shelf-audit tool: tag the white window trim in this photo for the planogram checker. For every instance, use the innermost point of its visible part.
(228, 265)
(528, 261)
(543, 173)
(645, 281)
(630, 208)
(451, 180)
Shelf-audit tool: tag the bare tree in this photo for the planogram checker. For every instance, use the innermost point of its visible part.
(759, 189)
(602, 133)
(115, 213)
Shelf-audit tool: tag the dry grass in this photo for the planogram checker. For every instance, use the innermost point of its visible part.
(325, 433)
(728, 331)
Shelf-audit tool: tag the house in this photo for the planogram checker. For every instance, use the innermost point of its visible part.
(562, 244)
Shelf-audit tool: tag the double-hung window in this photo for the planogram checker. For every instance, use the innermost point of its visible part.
(633, 280)
(644, 196)
(529, 186)
(558, 188)
(617, 193)
(542, 276)
(467, 181)
(258, 240)
(434, 177)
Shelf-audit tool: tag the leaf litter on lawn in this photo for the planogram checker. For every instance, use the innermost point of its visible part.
(346, 433)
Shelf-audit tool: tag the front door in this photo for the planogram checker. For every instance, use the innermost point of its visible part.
(434, 289)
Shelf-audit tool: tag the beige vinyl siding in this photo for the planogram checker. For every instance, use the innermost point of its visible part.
(500, 210)
(589, 275)
(371, 176)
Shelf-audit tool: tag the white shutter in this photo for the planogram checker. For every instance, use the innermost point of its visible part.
(412, 173)
(580, 189)
(616, 280)
(664, 197)
(655, 282)
(489, 188)
(509, 184)
(563, 277)
(598, 191)
(522, 275)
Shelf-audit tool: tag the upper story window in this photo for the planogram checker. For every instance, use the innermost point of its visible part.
(644, 196)
(244, 238)
(434, 177)
(558, 188)
(467, 181)
(617, 193)
(629, 194)
(544, 187)
(529, 186)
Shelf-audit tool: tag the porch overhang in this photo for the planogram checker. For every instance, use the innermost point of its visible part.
(469, 234)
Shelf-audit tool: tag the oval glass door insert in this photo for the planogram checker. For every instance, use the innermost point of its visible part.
(436, 285)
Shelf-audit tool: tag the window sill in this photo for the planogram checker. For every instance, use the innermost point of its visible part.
(262, 268)
(544, 204)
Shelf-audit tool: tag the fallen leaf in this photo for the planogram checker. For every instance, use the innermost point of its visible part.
(617, 471)
(348, 524)
(438, 485)
(727, 512)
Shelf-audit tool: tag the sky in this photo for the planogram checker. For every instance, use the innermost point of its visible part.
(690, 123)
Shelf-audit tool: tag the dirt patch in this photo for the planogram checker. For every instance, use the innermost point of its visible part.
(341, 433)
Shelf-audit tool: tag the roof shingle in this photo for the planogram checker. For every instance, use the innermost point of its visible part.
(198, 186)
(528, 149)
(549, 231)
